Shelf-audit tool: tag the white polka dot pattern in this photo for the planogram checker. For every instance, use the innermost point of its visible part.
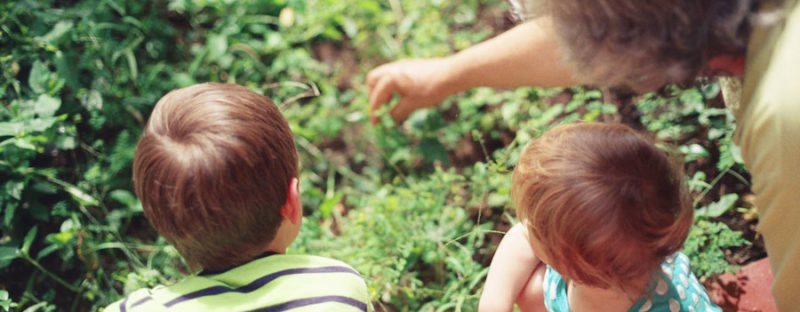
(646, 306)
(674, 305)
(661, 288)
(676, 290)
(667, 272)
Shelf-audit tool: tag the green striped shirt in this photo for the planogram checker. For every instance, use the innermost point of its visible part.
(271, 283)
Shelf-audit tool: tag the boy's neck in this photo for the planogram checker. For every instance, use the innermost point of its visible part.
(582, 298)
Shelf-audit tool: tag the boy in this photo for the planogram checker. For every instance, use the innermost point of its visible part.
(216, 171)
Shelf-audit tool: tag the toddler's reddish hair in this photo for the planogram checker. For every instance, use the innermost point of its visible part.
(607, 205)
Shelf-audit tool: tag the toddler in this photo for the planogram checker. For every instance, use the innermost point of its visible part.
(603, 216)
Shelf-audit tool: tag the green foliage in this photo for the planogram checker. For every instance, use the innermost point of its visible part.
(5, 302)
(414, 240)
(706, 244)
(683, 119)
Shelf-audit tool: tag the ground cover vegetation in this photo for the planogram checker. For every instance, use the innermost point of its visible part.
(417, 208)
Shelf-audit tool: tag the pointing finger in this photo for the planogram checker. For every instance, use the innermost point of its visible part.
(380, 95)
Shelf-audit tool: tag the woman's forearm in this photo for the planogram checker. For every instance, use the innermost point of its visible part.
(526, 55)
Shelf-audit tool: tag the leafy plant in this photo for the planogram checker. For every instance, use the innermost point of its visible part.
(706, 244)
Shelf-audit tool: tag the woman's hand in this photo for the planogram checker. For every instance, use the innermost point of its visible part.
(420, 83)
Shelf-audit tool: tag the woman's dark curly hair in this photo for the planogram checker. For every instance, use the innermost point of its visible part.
(644, 44)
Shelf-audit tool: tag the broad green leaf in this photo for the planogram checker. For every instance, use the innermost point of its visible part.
(718, 208)
(39, 124)
(46, 106)
(37, 79)
(10, 128)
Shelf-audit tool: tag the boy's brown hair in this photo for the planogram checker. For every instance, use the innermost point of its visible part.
(212, 170)
(607, 205)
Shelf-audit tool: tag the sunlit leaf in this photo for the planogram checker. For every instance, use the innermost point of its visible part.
(46, 106)
(716, 209)
(59, 29)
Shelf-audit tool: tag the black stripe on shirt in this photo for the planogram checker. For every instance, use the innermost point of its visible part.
(258, 283)
(122, 305)
(313, 300)
(141, 301)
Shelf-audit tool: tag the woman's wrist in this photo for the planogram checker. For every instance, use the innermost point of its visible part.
(452, 78)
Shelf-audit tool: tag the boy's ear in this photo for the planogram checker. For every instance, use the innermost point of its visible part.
(292, 209)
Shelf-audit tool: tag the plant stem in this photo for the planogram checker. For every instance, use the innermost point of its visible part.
(711, 185)
(49, 274)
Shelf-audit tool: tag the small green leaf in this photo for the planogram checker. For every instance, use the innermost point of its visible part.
(24, 143)
(433, 150)
(44, 188)
(217, 45)
(132, 65)
(718, 208)
(124, 197)
(14, 188)
(47, 251)
(61, 28)
(7, 254)
(37, 307)
(327, 206)
(736, 153)
(93, 101)
(8, 214)
(38, 77)
(66, 142)
(29, 238)
(81, 196)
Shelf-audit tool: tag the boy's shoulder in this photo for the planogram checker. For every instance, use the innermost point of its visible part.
(276, 281)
